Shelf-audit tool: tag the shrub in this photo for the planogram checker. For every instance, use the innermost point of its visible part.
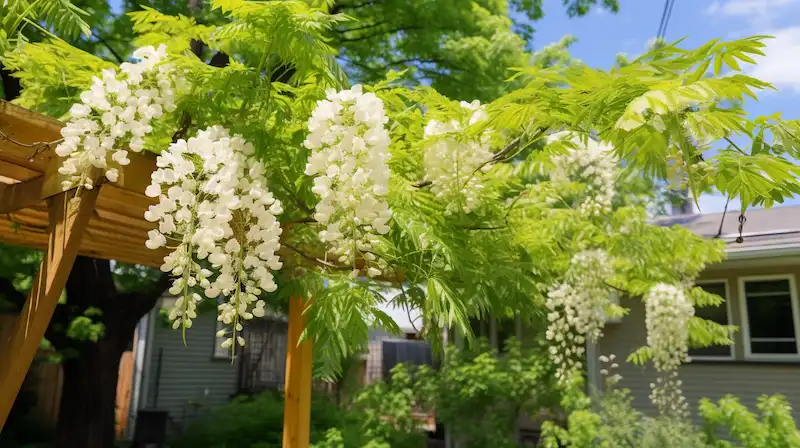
(255, 422)
(613, 422)
(772, 427)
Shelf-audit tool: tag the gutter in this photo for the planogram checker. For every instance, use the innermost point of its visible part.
(763, 252)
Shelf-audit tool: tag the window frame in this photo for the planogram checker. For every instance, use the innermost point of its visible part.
(218, 325)
(732, 354)
(748, 353)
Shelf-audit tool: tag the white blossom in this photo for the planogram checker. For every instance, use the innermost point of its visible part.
(589, 163)
(452, 161)
(668, 312)
(576, 309)
(667, 321)
(114, 115)
(214, 205)
(349, 144)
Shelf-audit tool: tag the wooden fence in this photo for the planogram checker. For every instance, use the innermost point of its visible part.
(47, 379)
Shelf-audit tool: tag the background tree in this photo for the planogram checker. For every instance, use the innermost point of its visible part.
(463, 49)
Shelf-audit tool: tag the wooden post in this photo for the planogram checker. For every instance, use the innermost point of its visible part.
(297, 408)
(68, 222)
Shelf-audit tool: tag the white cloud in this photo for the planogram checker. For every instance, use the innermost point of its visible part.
(757, 12)
(781, 65)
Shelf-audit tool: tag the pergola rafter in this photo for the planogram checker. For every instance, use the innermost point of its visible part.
(106, 222)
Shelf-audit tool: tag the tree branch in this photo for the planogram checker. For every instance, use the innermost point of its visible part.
(361, 28)
(370, 36)
(337, 8)
(111, 49)
(314, 259)
(722, 221)
(735, 145)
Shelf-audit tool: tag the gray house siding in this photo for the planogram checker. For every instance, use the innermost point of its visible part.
(189, 380)
(746, 379)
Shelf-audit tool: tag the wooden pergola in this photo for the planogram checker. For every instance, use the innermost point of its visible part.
(106, 222)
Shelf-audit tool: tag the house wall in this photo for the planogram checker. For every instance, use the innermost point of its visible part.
(746, 379)
(189, 381)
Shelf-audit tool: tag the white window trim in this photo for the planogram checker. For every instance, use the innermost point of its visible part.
(217, 341)
(732, 355)
(748, 354)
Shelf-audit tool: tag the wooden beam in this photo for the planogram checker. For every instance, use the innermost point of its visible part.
(297, 408)
(69, 218)
(20, 195)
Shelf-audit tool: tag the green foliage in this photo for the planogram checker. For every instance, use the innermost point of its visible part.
(83, 328)
(387, 410)
(52, 73)
(255, 422)
(501, 258)
(476, 392)
(662, 111)
(611, 421)
(59, 16)
(772, 427)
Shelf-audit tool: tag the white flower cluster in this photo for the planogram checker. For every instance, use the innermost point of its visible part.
(114, 115)
(349, 144)
(576, 310)
(608, 368)
(667, 320)
(214, 204)
(668, 312)
(589, 163)
(451, 163)
(667, 396)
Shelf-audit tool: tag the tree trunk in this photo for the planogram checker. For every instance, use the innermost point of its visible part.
(88, 396)
(11, 85)
(91, 369)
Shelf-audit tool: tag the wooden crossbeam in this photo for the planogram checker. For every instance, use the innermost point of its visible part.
(69, 218)
(20, 195)
(297, 407)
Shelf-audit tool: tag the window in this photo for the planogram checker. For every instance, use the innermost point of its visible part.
(719, 314)
(220, 352)
(770, 316)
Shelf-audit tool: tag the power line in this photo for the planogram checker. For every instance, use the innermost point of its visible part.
(665, 16)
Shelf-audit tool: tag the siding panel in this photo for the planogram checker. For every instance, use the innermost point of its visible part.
(190, 381)
(713, 380)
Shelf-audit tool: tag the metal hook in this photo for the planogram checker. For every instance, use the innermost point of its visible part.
(742, 220)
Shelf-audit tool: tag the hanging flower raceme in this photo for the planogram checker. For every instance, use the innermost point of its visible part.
(452, 163)
(114, 115)
(589, 163)
(215, 210)
(349, 144)
(668, 312)
(667, 320)
(577, 310)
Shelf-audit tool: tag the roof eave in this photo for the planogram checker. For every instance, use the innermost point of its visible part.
(763, 252)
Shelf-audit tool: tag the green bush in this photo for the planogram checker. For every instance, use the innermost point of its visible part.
(613, 422)
(772, 427)
(256, 422)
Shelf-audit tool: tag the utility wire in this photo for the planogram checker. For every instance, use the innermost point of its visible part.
(665, 16)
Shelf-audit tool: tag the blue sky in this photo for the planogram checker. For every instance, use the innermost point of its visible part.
(601, 35)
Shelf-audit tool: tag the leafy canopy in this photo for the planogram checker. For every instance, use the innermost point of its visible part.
(660, 113)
